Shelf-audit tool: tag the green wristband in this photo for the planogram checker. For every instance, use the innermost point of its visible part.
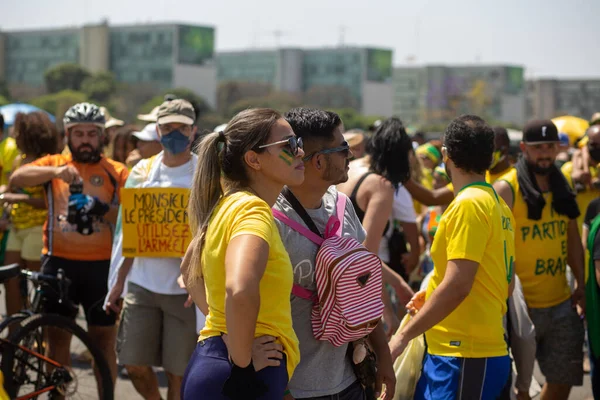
(287, 391)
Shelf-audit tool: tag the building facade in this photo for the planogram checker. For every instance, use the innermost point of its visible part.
(161, 55)
(436, 94)
(353, 77)
(549, 98)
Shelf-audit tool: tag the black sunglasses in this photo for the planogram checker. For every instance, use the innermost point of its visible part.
(294, 142)
(345, 148)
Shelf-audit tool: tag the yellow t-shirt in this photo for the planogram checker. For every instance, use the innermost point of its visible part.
(489, 178)
(541, 251)
(243, 213)
(477, 226)
(585, 197)
(8, 153)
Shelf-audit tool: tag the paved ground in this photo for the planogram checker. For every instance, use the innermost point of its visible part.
(126, 391)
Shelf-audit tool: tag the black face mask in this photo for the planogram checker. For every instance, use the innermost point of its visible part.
(594, 153)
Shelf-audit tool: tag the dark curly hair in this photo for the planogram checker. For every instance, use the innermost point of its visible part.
(469, 143)
(312, 123)
(35, 134)
(388, 149)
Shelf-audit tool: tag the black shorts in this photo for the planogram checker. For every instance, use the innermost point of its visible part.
(89, 287)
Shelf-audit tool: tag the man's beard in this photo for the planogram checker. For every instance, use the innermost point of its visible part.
(85, 157)
(334, 175)
(533, 166)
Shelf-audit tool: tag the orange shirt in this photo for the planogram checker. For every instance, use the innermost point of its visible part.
(103, 180)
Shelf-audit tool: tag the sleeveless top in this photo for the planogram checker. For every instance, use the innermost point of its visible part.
(360, 213)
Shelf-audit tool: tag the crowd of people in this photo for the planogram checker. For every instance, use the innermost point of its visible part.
(310, 243)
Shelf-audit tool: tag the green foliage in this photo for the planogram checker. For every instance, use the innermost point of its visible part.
(3, 100)
(4, 91)
(200, 105)
(228, 93)
(99, 87)
(353, 119)
(65, 77)
(58, 103)
(279, 101)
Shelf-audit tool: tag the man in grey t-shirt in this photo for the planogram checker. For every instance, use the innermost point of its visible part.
(325, 371)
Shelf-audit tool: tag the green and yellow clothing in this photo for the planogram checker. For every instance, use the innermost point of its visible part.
(476, 226)
(541, 250)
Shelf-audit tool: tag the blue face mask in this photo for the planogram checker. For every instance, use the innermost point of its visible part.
(175, 142)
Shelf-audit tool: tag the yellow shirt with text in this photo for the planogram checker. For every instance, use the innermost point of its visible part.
(541, 248)
(238, 214)
(477, 226)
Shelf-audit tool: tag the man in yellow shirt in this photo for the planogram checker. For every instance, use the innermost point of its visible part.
(473, 254)
(547, 239)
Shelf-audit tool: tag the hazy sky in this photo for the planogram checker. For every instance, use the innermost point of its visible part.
(548, 37)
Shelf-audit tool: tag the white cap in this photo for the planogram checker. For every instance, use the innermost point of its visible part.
(148, 134)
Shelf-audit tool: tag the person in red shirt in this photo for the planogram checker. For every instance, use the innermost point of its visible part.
(82, 193)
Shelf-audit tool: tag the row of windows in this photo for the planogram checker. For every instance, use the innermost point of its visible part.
(156, 75)
(29, 42)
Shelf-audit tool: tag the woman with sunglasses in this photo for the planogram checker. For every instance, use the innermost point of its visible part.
(239, 265)
(371, 185)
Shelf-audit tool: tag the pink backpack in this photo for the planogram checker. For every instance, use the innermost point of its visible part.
(347, 304)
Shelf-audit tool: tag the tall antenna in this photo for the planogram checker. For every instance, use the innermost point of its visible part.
(342, 35)
(277, 34)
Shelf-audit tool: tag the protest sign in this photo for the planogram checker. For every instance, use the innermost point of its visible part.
(155, 222)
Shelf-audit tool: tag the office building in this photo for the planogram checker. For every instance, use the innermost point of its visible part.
(549, 98)
(353, 77)
(436, 94)
(158, 55)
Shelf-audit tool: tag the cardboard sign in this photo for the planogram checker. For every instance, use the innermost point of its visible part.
(155, 222)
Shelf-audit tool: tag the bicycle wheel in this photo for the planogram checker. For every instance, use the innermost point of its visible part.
(11, 321)
(23, 379)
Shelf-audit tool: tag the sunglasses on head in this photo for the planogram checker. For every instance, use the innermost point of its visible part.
(293, 142)
(345, 148)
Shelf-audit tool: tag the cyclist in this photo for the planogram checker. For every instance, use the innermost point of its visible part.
(80, 244)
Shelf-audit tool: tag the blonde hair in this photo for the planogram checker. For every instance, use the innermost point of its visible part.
(221, 170)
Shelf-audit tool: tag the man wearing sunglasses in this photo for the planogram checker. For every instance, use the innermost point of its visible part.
(325, 371)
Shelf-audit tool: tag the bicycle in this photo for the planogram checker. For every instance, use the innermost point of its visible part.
(30, 373)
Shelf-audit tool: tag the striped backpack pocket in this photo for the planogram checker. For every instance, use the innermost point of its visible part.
(347, 304)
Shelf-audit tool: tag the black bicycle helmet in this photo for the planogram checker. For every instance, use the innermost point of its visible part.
(84, 113)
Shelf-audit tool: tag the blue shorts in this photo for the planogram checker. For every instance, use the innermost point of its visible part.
(209, 368)
(462, 378)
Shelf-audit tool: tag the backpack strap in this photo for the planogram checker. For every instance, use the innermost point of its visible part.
(304, 293)
(289, 196)
(298, 227)
(341, 210)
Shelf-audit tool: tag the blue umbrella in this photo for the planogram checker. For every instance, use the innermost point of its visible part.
(10, 111)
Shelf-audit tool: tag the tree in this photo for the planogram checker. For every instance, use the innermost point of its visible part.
(4, 91)
(65, 77)
(280, 101)
(99, 87)
(58, 103)
(200, 105)
(3, 101)
(231, 92)
(353, 119)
